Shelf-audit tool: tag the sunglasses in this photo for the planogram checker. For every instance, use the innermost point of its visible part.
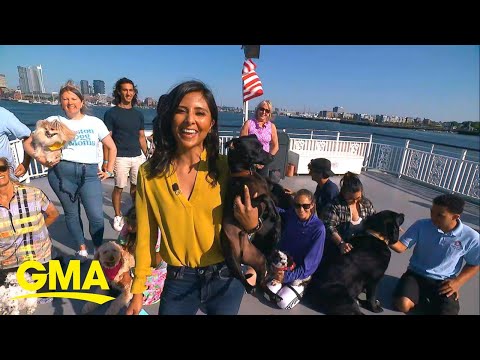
(264, 110)
(3, 168)
(305, 206)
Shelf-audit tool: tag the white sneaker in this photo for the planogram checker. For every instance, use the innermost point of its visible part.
(82, 255)
(118, 223)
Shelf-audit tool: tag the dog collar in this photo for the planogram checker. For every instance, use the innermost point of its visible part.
(287, 268)
(377, 235)
(56, 146)
(242, 173)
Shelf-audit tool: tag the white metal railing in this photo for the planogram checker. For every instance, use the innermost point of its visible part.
(35, 169)
(456, 175)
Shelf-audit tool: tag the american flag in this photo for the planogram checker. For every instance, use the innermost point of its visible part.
(252, 86)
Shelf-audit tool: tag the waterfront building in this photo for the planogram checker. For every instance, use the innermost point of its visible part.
(31, 79)
(84, 88)
(98, 87)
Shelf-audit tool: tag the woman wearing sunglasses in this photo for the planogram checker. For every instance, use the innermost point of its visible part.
(303, 237)
(264, 129)
(25, 213)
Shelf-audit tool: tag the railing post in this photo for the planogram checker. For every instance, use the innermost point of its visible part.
(367, 154)
(336, 143)
(431, 150)
(311, 135)
(407, 142)
(464, 154)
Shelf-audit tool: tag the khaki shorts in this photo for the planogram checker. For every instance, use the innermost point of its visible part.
(125, 167)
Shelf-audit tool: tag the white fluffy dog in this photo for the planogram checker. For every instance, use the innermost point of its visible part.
(116, 263)
(11, 289)
(50, 137)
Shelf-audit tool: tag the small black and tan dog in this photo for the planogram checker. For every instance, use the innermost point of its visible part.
(336, 289)
(243, 153)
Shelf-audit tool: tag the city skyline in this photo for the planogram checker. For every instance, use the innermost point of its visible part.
(435, 82)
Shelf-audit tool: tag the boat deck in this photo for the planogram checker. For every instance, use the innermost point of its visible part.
(385, 191)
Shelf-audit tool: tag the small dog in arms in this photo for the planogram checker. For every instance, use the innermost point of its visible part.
(50, 137)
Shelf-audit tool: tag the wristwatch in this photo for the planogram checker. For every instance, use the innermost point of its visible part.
(110, 174)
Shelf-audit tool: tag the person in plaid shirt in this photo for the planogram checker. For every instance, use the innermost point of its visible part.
(343, 217)
(25, 213)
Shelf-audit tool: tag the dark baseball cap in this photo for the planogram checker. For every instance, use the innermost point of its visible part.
(321, 165)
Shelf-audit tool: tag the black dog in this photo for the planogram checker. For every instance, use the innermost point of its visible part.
(243, 154)
(336, 289)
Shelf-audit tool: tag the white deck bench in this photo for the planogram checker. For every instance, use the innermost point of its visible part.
(341, 162)
(344, 155)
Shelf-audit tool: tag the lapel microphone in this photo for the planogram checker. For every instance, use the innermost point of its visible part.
(176, 189)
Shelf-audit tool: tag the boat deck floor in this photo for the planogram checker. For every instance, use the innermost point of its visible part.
(384, 190)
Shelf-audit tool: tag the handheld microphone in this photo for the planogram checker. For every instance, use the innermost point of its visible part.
(176, 189)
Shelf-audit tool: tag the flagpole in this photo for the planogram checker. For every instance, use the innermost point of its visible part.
(250, 51)
(245, 111)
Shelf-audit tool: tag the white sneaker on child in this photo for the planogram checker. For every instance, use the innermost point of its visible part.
(82, 255)
(118, 223)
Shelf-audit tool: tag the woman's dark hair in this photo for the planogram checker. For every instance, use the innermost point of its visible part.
(131, 238)
(165, 144)
(162, 104)
(70, 86)
(452, 202)
(118, 88)
(350, 183)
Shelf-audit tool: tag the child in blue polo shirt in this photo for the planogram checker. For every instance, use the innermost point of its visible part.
(435, 274)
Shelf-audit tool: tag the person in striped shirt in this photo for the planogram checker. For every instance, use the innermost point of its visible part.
(25, 214)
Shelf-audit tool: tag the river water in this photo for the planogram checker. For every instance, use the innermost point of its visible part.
(446, 143)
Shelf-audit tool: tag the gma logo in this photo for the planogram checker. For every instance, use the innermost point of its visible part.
(95, 277)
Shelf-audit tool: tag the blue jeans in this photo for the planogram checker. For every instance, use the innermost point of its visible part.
(74, 182)
(212, 287)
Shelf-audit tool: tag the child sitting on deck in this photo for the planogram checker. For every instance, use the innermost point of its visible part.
(127, 238)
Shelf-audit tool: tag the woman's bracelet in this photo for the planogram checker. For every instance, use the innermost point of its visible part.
(256, 228)
(109, 173)
(341, 243)
(105, 161)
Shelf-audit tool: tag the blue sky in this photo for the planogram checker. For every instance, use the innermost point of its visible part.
(436, 82)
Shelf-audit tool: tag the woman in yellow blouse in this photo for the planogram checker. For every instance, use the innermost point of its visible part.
(181, 191)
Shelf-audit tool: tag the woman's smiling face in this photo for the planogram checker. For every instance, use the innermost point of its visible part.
(192, 122)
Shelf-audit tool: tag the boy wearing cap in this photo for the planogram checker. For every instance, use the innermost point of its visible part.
(327, 190)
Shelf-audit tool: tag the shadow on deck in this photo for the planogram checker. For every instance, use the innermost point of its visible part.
(385, 191)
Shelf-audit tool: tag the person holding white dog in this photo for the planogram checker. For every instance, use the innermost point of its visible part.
(303, 238)
(19, 205)
(76, 178)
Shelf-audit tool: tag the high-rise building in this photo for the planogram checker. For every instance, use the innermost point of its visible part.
(98, 87)
(23, 79)
(338, 109)
(84, 87)
(3, 81)
(31, 79)
(3, 84)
